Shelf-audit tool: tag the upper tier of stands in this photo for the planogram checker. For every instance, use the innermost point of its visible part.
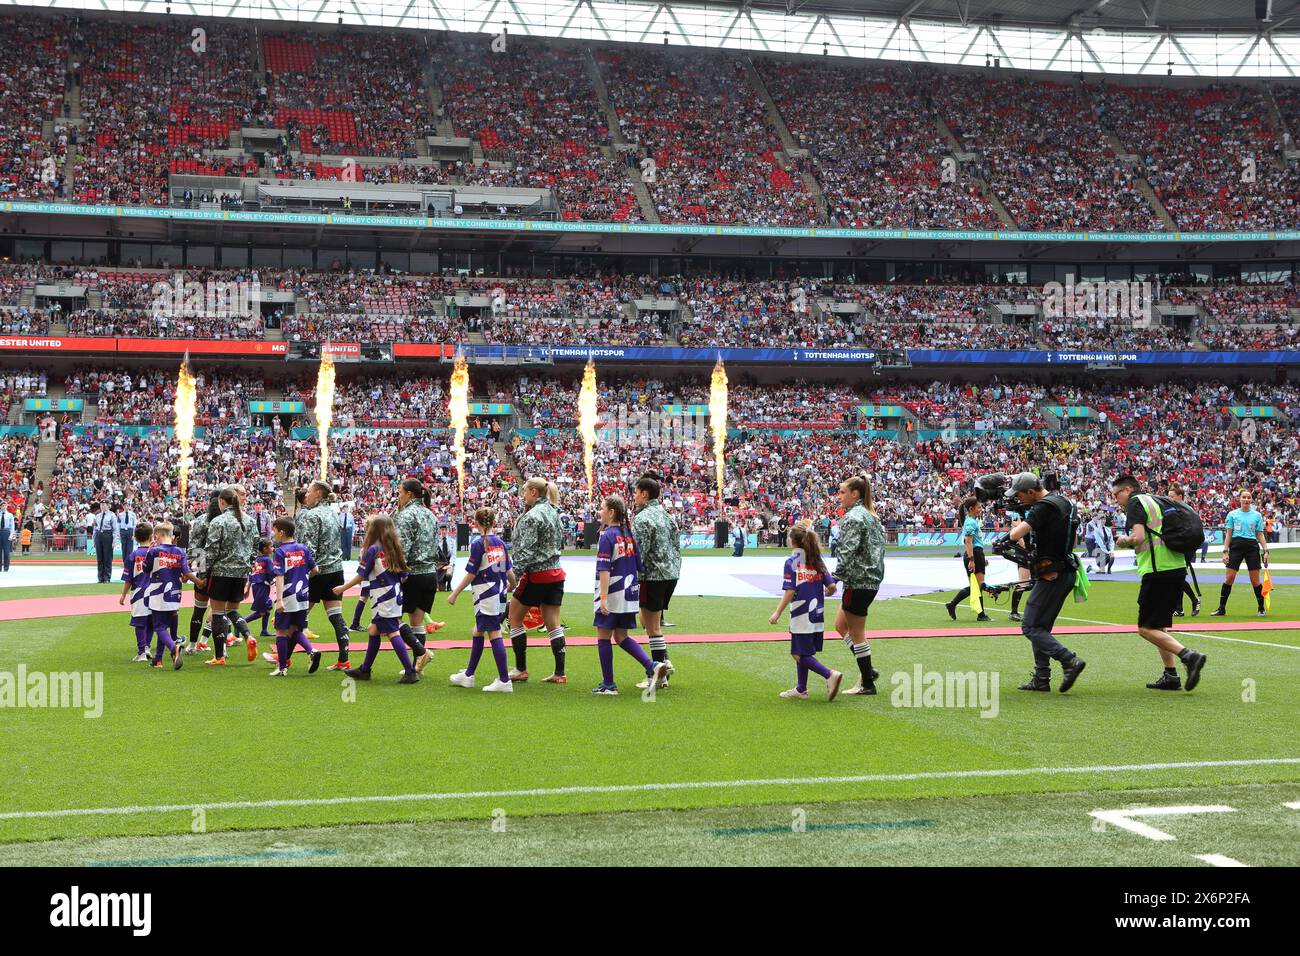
(109, 110)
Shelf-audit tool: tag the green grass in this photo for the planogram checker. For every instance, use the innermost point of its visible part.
(203, 736)
(1005, 830)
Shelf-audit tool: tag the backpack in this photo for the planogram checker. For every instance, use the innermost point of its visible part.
(1182, 529)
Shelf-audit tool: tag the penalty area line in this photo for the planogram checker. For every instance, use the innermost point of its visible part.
(647, 788)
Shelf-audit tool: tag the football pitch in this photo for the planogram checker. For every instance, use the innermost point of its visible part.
(212, 766)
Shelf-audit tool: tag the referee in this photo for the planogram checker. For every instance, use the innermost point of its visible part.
(417, 530)
(1244, 540)
(318, 531)
(1163, 572)
(1052, 520)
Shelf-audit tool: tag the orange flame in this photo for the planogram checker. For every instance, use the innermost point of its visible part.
(587, 423)
(185, 409)
(458, 411)
(718, 420)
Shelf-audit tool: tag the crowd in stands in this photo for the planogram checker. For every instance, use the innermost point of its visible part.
(1213, 154)
(1039, 144)
(534, 110)
(33, 63)
(106, 465)
(148, 396)
(874, 147)
(350, 93)
(707, 131)
(154, 105)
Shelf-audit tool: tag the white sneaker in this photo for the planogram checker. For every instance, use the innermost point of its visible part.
(498, 686)
(140, 657)
(270, 658)
(668, 671)
(794, 693)
(515, 674)
(279, 672)
(461, 679)
(190, 648)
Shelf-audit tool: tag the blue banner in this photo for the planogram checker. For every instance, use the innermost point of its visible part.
(560, 353)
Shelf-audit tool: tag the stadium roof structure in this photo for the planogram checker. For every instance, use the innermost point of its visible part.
(1184, 38)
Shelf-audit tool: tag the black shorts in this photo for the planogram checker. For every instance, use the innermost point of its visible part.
(1158, 596)
(539, 593)
(856, 601)
(657, 595)
(228, 590)
(1247, 551)
(201, 591)
(975, 565)
(418, 592)
(320, 587)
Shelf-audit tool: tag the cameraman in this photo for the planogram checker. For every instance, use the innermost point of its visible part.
(1051, 519)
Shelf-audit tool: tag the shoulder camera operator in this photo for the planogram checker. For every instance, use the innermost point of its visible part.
(1050, 517)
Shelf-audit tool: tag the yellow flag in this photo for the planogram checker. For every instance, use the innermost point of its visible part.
(976, 595)
(1266, 588)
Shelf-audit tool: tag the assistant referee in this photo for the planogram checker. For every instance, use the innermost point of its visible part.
(1244, 540)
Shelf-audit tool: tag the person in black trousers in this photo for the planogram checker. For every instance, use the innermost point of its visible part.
(1053, 521)
(104, 526)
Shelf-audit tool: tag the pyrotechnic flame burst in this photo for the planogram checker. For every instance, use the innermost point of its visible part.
(718, 419)
(324, 409)
(587, 423)
(185, 407)
(458, 411)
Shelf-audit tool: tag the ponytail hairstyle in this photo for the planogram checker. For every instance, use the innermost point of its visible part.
(617, 505)
(380, 530)
(415, 487)
(546, 489)
(862, 485)
(231, 498)
(967, 504)
(806, 540)
(214, 509)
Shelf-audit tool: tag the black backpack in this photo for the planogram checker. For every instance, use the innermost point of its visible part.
(1181, 528)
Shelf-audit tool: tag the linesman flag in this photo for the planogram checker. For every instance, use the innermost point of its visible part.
(976, 595)
(1266, 588)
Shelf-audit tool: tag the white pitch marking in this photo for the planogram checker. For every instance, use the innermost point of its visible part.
(1218, 859)
(1292, 806)
(1124, 818)
(649, 787)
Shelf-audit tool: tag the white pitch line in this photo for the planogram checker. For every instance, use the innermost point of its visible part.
(1083, 620)
(1218, 859)
(648, 787)
(1292, 806)
(1123, 819)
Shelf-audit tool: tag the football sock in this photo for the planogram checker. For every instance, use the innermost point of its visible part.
(634, 649)
(499, 655)
(658, 647)
(605, 651)
(475, 652)
(399, 645)
(557, 650)
(519, 639)
(340, 632)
